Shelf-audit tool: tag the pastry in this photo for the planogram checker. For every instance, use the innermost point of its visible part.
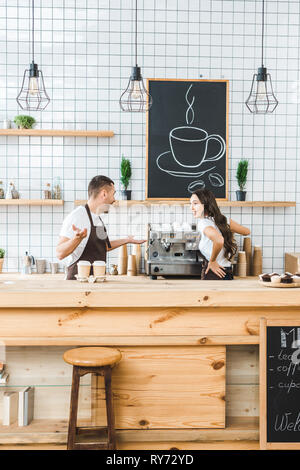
(276, 279)
(286, 279)
(265, 277)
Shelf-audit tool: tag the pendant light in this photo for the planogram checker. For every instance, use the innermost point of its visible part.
(262, 99)
(33, 95)
(135, 98)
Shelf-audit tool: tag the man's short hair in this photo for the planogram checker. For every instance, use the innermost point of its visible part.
(98, 183)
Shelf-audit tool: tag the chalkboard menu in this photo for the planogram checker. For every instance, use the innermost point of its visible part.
(187, 138)
(282, 380)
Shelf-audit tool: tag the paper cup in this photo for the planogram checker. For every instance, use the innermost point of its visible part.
(54, 268)
(242, 257)
(131, 269)
(242, 269)
(83, 268)
(40, 266)
(99, 268)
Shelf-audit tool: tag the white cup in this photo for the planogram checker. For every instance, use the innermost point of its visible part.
(54, 268)
(99, 268)
(83, 268)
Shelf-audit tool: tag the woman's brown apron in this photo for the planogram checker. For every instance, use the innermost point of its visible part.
(211, 276)
(95, 249)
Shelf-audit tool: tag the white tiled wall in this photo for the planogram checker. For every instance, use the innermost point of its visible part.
(85, 51)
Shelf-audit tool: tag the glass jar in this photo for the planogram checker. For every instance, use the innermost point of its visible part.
(47, 191)
(1, 191)
(56, 193)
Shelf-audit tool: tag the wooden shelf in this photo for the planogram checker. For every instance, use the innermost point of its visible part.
(56, 132)
(31, 202)
(181, 202)
(257, 203)
(55, 432)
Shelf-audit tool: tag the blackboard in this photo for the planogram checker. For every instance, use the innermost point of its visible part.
(282, 386)
(187, 138)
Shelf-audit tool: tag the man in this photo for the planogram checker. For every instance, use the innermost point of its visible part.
(83, 235)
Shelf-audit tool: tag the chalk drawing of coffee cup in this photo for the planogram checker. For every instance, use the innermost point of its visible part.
(189, 146)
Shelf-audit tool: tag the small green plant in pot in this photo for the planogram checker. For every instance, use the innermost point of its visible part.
(125, 178)
(2, 253)
(24, 122)
(241, 176)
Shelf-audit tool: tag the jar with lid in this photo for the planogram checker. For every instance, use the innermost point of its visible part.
(1, 190)
(47, 191)
(11, 192)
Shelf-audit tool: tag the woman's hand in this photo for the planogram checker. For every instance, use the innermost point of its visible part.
(216, 268)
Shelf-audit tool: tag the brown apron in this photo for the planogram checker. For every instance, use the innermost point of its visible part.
(95, 249)
(211, 276)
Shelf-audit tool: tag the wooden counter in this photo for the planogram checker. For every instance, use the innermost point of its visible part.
(47, 310)
(140, 291)
(175, 336)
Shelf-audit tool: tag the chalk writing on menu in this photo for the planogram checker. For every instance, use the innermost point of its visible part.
(283, 384)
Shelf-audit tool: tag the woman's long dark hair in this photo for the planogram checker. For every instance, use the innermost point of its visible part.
(212, 210)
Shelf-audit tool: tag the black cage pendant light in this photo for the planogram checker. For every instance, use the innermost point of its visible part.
(33, 95)
(135, 98)
(262, 99)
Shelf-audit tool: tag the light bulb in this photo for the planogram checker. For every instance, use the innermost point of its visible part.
(136, 91)
(33, 86)
(261, 91)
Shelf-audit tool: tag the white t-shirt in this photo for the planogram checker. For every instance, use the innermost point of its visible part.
(80, 219)
(206, 245)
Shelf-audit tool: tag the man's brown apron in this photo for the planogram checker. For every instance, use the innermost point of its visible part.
(95, 249)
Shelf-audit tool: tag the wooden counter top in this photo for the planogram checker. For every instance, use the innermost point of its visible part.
(122, 291)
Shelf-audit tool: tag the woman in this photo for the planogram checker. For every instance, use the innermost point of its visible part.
(217, 245)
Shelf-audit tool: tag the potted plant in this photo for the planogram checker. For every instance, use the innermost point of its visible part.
(2, 253)
(125, 178)
(24, 122)
(241, 176)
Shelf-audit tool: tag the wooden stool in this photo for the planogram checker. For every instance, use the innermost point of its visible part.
(97, 361)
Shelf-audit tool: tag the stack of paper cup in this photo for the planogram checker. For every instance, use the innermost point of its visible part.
(257, 261)
(137, 253)
(242, 264)
(83, 268)
(122, 264)
(99, 268)
(131, 269)
(248, 250)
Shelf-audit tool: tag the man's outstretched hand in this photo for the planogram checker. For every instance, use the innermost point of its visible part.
(131, 239)
(79, 234)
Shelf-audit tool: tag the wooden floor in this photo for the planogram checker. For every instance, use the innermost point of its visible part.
(227, 445)
(239, 434)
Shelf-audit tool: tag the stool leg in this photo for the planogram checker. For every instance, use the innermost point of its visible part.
(109, 410)
(73, 409)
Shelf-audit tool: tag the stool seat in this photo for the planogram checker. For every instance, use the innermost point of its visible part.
(92, 357)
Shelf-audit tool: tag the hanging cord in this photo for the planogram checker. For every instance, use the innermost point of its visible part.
(262, 32)
(136, 33)
(32, 30)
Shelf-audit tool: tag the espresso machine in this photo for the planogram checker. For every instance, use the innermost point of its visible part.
(173, 253)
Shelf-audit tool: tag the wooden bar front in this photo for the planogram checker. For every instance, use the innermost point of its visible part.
(174, 336)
